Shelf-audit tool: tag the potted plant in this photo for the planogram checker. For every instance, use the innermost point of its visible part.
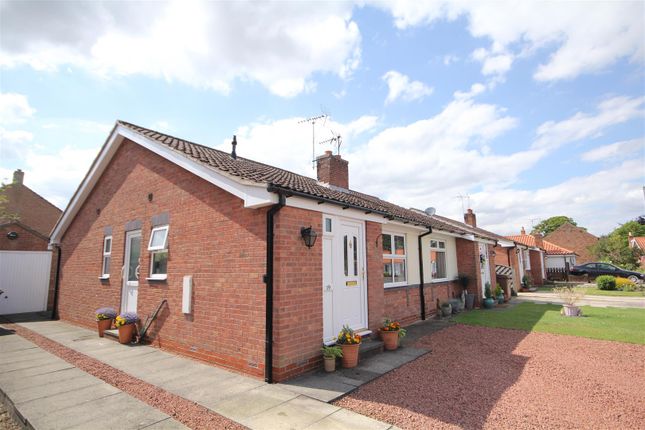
(330, 354)
(104, 317)
(126, 323)
(489, 302)
(349, 342)
(446, 309)
(499, 294)
(391, 331)
(526, 283)
(570, 295)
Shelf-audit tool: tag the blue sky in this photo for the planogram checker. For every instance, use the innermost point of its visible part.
(532, 110)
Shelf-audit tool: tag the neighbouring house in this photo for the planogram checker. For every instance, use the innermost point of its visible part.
(509, 264)
(27, 267)
(576, 239)
(258, 265)
(638, 242)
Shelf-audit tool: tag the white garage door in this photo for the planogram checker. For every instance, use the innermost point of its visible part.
(24, 281)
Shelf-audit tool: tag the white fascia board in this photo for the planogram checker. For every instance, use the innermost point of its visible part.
(333, 209)
(486, 241)
(401, 225)
(254, 195)
(506, 243)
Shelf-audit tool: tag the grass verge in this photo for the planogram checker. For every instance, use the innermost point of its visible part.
(593, 291)
(619, 324)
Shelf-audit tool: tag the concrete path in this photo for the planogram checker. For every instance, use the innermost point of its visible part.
(248, 401)
(589, 300)
(45, 392)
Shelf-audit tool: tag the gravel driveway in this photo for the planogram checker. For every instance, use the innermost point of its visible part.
(478, 377)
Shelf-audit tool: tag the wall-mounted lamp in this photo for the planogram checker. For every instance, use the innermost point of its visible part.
(150, 196)
(12, 235)
(309, 235)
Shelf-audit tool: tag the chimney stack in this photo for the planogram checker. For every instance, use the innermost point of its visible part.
(538, 240)
(18, 177)
(234, 144)
(470, 218)
(333, 170)
(523, 232)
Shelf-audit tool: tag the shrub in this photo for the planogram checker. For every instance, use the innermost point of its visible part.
(498, 290)
(487, 292)
(570, 295)
(606, 282)
(526, 281)
(625, 284)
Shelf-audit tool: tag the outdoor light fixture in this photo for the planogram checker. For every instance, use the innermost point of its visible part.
(12, 235)
(309, 235)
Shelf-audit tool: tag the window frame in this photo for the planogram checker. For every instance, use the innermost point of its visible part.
(527, 259)
(153, 250)
(392, 256)
(105, 255)
(438, 248)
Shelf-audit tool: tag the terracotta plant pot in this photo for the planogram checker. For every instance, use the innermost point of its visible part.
(350, 355)
(330, 364)
(104, 325)
(125, 333)
(390, 339)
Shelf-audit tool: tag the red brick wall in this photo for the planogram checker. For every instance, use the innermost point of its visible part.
(298, 314)
(332, 169)
(576, 239)
(501, 256)
(26, 241)
(211, 236)
(375, 297)
(468, 264)
(32, 210)
(402, 303)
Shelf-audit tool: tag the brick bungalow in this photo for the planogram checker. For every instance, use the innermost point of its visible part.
(156, 212)
(29, 218)
(576, 239)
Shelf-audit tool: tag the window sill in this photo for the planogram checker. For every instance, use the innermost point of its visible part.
(104, 277)
(157, 278)
(395, 285)
(438, 280)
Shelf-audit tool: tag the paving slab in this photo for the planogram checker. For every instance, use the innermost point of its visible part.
(211, 395)
(298, 413)
(321, 386)
(253, 402)
(344, 419)
(32, 371)
(167, 424)
(44, 391)
(26, 382)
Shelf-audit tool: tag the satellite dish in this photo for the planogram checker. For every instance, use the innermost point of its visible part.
(430, 211)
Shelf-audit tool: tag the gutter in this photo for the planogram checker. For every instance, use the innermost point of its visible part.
(268, 280)
(56, 284)
(421, 283)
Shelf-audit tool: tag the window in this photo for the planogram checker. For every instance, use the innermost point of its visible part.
(107, 252)
(327, 225)
(527, 259)
(438, 259)
(158, 247)
(394, 260)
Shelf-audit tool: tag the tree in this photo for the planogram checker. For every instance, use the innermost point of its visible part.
(614, 247)
(5, 214)
(550, 224)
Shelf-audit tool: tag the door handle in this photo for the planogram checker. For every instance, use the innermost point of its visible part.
(327, 287)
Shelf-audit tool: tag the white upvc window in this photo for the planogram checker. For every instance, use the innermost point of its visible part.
(107, 252)
(395, 270)
(158, 247)
(438, 260)
(527, 259)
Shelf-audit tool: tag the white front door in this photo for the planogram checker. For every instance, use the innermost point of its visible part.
(131, 268)
(344, 281)
(484, 266)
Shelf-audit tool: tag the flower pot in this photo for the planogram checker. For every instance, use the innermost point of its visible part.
(570, 310)
(446, 310)
(125, 333)
(104, 325)
(390, 339)
(350, 355)
(470, 301)
(330, 364)
(456, 305)
(500, 299)
(489, 303)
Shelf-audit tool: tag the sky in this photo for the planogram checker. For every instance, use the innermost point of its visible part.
(524, 109)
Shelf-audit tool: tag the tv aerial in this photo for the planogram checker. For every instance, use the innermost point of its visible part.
(335, 139)
(313, 121)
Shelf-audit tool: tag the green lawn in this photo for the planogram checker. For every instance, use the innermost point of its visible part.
(619, 324)
(593, 291)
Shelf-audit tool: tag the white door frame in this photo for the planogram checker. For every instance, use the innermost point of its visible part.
(485, 268)
(127, 284)
(333, 262)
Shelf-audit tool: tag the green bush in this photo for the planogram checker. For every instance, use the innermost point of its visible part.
(606, 282)
(624, 284)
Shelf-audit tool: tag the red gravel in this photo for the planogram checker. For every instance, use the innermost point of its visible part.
(188, 413)
(486, 378)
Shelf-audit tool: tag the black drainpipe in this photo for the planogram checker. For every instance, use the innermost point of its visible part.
(268, 280)
(56, 284)
(421, 283)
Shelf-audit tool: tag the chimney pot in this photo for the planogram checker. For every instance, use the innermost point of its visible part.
(470, 218)
(234, 144)
(523, 232)
(18, 177)
(332, 170)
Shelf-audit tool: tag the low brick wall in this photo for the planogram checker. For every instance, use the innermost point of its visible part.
(402, 303)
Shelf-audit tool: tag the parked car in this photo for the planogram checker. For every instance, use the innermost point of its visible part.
(597, 269)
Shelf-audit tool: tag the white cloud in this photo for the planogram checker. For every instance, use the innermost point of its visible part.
(583, 37)
(14, 108)
(203, 44)
(449, 59)
(618, 150)
(401, 87)
(475, 89)
(611, 111)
